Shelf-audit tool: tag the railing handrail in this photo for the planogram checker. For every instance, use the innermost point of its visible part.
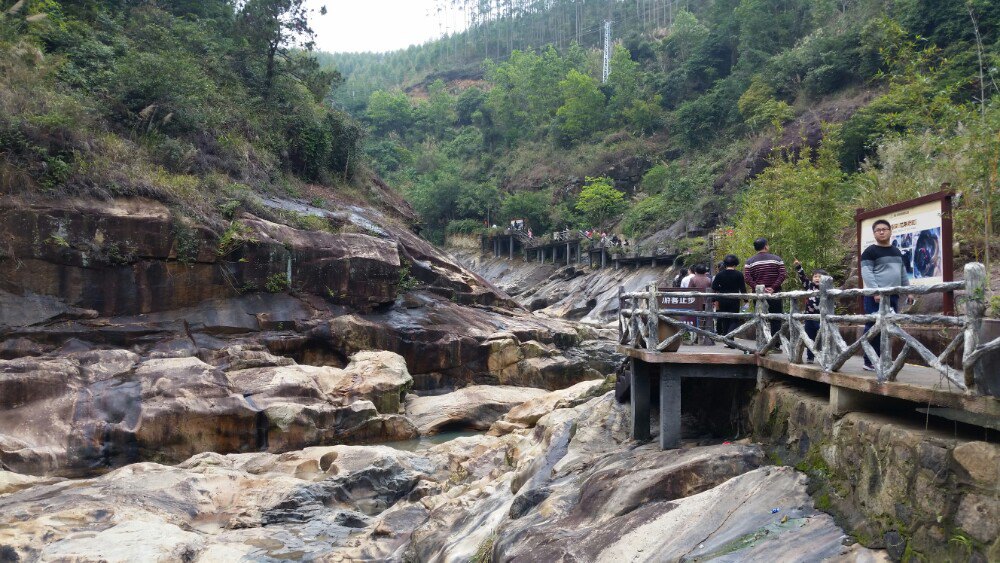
(798, 294)
(640, 314)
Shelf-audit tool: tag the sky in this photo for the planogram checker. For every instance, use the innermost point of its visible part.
(374, 25)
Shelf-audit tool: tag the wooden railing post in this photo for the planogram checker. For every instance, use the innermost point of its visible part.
(763, 327)
(794, 351)
(653, 319)
(975, 307)
(885, 344)
(621, 316)
(827, 353)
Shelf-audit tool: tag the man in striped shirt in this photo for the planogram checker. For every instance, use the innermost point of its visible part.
(768, 270)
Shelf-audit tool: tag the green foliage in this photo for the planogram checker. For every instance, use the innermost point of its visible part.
(168, 100)
(276, 283)
(526, 91)
(186, 241)
(236, 235)
(801, 205)
(439, 111)
(760, 109)
(647, 214)
(582, 111)
(963, 154)
(623, 82)
(464, 227)
(533, 207)
(406, 282)
(599, 201)
(674, 191)
(994, 309)
(389, 111)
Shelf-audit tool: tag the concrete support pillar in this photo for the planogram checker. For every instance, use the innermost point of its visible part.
(670, 409)
(567, 254)
(579, 249)
(604, 258)
(844, 400)
(640, 399)
(764, 377)
(511, 255)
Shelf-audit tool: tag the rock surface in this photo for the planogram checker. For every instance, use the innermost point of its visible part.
(103, 408)
(510, 497)
(475, 407)
(559, 291)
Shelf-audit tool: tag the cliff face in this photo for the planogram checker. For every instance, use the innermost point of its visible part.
(133, 256)
(127, 331)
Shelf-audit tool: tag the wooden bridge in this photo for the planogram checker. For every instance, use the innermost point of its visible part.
(960, 382)
(569, 247)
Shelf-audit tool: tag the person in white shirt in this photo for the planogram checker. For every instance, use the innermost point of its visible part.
(686, 281)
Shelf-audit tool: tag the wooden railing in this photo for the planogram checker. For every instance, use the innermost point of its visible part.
(640, 314)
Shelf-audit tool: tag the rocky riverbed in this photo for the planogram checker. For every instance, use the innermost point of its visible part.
(554, 479)
(157, 404)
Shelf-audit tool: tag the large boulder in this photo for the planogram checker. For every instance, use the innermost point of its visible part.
(93, 409)
(474, 407)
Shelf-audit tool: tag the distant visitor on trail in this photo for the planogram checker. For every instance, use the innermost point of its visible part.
(881, 266)
(768, 270)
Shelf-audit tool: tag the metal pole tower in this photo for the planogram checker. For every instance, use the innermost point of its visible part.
(607, 51)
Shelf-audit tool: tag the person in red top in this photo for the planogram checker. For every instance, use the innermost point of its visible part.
(768, 270)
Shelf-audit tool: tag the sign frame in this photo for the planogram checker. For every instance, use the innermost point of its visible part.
(947, 259)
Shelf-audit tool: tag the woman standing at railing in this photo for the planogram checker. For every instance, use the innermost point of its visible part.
(729, 280)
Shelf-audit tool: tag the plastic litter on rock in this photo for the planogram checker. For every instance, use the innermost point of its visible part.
(775, 510)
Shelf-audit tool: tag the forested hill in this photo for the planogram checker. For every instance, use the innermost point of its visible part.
(205, 105)
(703, 123)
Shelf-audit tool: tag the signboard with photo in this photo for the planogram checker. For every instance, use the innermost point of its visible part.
(916, 232)
(921, 230)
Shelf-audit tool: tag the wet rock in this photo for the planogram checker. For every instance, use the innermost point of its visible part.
(477, 407)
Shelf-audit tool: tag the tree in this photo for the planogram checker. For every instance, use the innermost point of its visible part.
(599, 201)
(439, 110)
(801, 205)
(533, 207)
(623, 82)
(389, 111)
(582, 111)
(272, 28)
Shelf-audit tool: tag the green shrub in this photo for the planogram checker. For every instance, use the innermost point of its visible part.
(276, 283)
(464, 227)
(599, 201)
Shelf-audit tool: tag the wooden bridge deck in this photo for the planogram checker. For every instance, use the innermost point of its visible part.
(851, 388)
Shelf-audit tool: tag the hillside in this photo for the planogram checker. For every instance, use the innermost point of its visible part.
(703, 123)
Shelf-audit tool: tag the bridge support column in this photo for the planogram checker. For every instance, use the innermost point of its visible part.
(639, 373)
(511, 255)
(568, 252)
(604, 258)
(670, 409)
(844, 400)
